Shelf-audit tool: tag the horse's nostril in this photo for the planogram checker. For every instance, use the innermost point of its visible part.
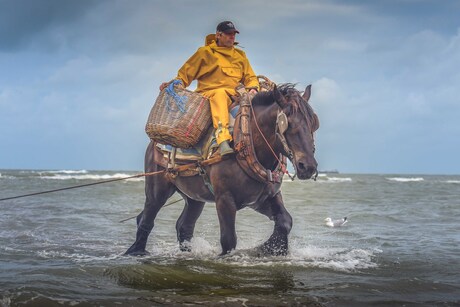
(301, 165)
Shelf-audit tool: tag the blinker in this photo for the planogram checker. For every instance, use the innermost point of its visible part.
(282, 122)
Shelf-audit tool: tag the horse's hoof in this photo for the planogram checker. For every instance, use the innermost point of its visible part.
(185, 247)
(137, 253)
(267, 250)
(227, 253)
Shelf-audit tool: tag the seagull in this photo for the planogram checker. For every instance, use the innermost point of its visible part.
(335, 223)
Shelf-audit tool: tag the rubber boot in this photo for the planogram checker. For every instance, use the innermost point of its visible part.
(225, 148)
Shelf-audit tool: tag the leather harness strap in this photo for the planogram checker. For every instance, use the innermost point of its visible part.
(188, 169)
(246, 156)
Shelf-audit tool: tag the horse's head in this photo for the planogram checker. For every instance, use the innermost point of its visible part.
(300, 123)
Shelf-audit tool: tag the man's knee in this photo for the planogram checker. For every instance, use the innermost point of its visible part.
(219, 94)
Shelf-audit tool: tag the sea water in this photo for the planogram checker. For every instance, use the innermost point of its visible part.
(399, 247)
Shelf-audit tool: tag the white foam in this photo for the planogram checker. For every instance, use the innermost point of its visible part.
(6, 300)
(406, 179)
(6, 177)
(337, 259)
(333, 258)
(77, 257)
(200, 249)
(448, 181)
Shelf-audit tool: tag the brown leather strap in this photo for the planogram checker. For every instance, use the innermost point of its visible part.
(246, 156)
(188, 169)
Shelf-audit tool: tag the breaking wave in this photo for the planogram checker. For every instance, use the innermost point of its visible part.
(87, 176)
(325, 178)
(68, 172)
(406, 179)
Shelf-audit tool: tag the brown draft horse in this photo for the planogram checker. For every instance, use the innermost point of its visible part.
(233, 188)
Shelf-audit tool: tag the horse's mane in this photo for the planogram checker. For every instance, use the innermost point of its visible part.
(266, 98)
(288, 90)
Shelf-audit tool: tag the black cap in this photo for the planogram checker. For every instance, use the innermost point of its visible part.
(226, 27)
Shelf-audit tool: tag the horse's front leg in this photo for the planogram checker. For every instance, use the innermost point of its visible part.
(277, 244)
(157, 192)
(226, 211)
(185, 225)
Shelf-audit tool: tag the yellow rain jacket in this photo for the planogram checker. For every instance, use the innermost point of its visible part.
(218, 70)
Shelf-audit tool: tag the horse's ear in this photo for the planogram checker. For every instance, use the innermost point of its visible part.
(306, 95)
(315, 125)
(279, 98)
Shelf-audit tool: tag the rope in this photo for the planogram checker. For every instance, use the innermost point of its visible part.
(180, 100)
(166, 205)
(83, 185)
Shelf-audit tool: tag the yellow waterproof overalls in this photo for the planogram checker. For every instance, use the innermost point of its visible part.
(218, 70)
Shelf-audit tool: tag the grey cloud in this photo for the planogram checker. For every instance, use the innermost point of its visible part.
(22, 22)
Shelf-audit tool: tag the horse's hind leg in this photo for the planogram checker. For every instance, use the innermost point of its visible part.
(185, 225)
(277, 244)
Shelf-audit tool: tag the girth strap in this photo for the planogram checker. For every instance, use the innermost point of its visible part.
(188, 169)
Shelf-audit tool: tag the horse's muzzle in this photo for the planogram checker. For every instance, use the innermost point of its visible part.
(306, 171)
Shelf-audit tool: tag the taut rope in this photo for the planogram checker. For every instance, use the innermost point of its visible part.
(83, 185)
(177, 169)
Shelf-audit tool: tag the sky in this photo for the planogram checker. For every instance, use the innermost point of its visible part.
(78, 78)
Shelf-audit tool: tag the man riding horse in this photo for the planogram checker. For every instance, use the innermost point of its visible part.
(219, 68)
(276, 123)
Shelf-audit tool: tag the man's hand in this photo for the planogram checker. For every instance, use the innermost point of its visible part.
(252, 92)
(166, 84)
(163, 85)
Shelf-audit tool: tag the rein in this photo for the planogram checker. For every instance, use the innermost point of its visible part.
(281, 126)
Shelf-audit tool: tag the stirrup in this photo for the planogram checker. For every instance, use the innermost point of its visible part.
(225, 148)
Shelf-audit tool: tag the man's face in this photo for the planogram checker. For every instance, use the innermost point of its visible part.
(226, 39)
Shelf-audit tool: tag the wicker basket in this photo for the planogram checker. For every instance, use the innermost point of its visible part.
(180, 119)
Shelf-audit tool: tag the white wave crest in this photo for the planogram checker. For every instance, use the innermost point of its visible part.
(92, 177)
(67, 172)
(406, 179)
(448, 181)
(339, 179)
(334, 179)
